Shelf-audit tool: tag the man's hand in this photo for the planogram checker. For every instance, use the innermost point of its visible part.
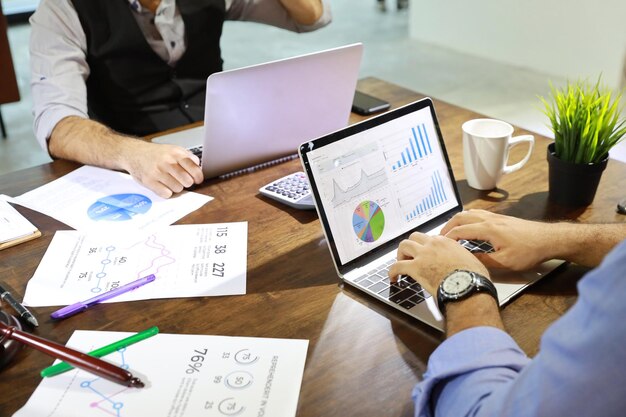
(428, 259)
(519, 244)
(164, 169)
(522, 244)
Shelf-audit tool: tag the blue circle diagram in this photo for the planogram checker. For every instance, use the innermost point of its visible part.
(119, 207)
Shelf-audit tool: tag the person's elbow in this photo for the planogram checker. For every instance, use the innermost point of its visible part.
(310, 13)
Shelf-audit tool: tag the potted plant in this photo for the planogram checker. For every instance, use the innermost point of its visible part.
(585, 120)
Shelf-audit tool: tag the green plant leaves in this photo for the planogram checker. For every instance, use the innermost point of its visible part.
(585, 121)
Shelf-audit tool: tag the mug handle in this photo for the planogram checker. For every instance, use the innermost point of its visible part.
(514, 142)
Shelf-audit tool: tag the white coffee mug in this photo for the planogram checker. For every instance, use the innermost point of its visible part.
(486, 146)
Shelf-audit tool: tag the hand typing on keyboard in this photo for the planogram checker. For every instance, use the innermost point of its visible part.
(518, 244)
(405, 291)
(428, 259)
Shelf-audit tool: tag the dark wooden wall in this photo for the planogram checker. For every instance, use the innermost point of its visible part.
(8, 83)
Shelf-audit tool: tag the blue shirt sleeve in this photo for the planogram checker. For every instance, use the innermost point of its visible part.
(579, 370)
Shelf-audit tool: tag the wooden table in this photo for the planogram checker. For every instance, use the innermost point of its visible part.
(364, 357)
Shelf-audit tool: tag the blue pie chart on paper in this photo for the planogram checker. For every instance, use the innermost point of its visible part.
(119, 207)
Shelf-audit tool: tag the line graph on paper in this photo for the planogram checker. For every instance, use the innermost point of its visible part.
(187, 260)
(162, 257)
(148, 256)
(106, 402)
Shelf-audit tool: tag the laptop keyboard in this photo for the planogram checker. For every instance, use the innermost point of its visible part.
(477, 246)
(406, 292)
(197, 151)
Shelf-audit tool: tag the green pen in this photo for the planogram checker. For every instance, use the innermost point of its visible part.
(62, 367)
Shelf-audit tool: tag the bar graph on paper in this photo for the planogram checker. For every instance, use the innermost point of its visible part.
(417, 147)
(435, 198)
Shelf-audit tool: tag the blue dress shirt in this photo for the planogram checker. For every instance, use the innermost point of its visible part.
(579, 371)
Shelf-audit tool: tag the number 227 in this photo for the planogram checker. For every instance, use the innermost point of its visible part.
(218, 269)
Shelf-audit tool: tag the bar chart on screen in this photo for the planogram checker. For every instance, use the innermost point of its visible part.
(423, 191)
(417, 171)
(416, 147)
(436, 197)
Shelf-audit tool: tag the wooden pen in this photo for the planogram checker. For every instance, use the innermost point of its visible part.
(77, 359)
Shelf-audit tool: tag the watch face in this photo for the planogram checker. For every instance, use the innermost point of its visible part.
(457, 283)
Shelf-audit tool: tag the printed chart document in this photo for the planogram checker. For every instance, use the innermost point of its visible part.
(97, 198)
(185, 376)
(14, 228)
(193, 260)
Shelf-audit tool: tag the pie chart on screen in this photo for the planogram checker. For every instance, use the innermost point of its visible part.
(368, 221)
(119, 207)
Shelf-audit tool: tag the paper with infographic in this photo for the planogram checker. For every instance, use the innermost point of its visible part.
(185, 376)
(96, 198)
(193, 260)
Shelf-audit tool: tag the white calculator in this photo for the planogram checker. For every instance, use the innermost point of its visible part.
(293, 190)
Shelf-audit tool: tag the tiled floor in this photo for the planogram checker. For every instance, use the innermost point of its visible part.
(490, 88)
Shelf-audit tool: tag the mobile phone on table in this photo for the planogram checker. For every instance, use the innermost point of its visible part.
(365, 104)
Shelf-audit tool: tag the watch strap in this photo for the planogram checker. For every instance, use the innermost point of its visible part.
(482, 284)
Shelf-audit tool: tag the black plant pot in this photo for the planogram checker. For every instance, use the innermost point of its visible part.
(572, 184)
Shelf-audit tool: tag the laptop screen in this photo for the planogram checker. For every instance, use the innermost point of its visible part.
(380, 180)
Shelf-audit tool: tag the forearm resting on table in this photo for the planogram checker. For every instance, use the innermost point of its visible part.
(164, 169)
(583, 244)
(91, 143)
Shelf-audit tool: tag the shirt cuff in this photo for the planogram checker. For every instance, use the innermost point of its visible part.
(470, 350)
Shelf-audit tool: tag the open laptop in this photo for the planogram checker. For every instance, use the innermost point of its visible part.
(263, 112)
(376, 182)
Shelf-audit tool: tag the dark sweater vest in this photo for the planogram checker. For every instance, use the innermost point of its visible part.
(130, 88)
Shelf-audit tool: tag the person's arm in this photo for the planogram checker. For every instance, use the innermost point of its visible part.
(58, 73)
(304, 12)
(522, 244)
(481, 371)
(58, 66)
(293, 15)
(164, 169)
(428, 260)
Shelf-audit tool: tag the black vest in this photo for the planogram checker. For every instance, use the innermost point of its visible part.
(130, 88)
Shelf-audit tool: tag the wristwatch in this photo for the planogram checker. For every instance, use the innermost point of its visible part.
(460, 284)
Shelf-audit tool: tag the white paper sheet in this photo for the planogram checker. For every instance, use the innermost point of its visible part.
(188, 261)
(12, 224)
(95, 198)
(185, 376)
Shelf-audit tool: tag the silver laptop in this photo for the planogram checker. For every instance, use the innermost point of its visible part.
(376, 182)
(263, 112)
